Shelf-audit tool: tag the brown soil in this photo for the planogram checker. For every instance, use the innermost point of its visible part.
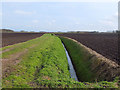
(99, 56)
(13, 38)
(6, 50)
(104, 68)
(13, 60)
(106, 44)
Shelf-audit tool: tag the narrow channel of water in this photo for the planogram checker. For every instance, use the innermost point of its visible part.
(71, 68)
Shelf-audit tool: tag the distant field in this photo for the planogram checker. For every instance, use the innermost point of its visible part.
(13, 38)
(104, 44)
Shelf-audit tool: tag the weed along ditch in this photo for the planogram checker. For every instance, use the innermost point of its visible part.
(50, 61)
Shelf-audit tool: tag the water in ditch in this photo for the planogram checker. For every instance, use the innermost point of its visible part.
(71, 68)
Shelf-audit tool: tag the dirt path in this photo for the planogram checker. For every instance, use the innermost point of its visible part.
(6, 50)
(13, 60)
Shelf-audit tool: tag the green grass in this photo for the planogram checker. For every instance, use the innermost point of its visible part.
(79, 59)
(20, 47)
(44, 65)
(45, 61)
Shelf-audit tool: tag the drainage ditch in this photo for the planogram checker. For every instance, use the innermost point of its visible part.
(88, 65)
(71, 68)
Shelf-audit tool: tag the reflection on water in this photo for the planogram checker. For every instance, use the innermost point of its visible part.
(71, 68)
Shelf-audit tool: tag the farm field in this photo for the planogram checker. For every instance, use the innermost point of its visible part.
(13, 38)
(104, 44)
(89, 65)
(60, 45)
(41, 63)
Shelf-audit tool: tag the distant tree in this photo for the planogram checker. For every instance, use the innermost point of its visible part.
(118, 31)
(32, 31)
(6, 31)
(23, 31)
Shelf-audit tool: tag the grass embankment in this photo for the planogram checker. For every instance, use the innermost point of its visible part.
(82, 61)
(44, 64)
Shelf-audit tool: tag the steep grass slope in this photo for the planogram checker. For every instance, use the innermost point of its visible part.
(80, 59)
(89, 65)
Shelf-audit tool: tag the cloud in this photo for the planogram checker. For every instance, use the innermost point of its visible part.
(116, 14)
(35, 21)
(107, 22)
(77, 23)
(0, 13)
(111, 20)
(51, 22)
(24, 12)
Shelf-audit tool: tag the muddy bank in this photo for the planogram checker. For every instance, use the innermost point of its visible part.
(89, 65)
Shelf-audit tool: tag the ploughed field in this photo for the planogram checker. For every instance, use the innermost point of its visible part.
(13, 38)
(104, 44)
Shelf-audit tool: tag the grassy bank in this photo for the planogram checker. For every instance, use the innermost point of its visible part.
(80, 59)
(83, 62)
(42, 65)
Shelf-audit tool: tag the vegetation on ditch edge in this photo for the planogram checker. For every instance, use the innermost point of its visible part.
(81, 61)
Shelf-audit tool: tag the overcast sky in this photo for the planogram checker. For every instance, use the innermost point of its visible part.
(60, 16)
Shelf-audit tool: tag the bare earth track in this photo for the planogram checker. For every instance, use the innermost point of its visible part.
(13, 60)
(10, 39)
